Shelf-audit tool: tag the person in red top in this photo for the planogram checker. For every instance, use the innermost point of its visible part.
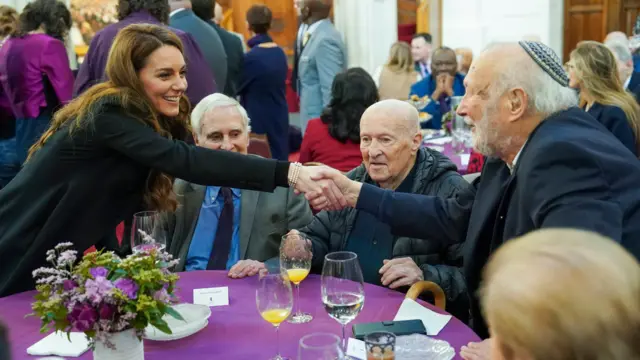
(334, 138)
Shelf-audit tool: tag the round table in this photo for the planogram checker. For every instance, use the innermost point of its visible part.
(447, 150)
(236, 331)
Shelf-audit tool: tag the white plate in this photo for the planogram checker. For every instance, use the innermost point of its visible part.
(195, 319)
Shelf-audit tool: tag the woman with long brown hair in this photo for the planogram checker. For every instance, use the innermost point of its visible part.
(593, 70)
(394, 79)
(113, 151)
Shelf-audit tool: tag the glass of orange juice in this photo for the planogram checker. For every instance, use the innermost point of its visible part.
(274, 300)
(295, 259)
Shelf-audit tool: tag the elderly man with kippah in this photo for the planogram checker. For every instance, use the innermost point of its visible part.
(549, 165)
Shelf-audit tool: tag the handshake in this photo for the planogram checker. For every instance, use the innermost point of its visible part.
(325, 188)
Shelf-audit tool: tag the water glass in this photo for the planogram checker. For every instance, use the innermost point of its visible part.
(342, 288)
(380, 345)
(148, 232)
(320, 346)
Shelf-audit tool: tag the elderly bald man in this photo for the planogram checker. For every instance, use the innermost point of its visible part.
(549, 165)
(390, 142)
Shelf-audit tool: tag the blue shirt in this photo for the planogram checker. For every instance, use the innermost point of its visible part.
(205, 232)
(425, 88)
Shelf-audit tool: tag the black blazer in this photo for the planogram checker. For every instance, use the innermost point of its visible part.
(78, 187)
(235, 57)
(616, 121)
(207, 39)
(571, 173)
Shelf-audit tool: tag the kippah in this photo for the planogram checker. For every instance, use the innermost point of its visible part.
(547, 59)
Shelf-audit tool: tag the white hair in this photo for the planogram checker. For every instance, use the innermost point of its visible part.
(213, 102)
(617, 36)
(546, 96)
(620, 50)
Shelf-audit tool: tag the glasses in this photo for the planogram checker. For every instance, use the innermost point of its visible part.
(380, 345)
(295, 260)
(320, 346)
(148, 232)
(274, 301)
(342, 288)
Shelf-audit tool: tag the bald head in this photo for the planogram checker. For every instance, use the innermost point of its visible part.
(616, 36)
(404, 115)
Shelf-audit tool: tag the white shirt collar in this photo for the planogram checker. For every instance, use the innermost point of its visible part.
(626, 83)
(175, 11)
(515, 159)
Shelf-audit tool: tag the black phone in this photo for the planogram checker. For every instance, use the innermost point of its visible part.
(404, 327)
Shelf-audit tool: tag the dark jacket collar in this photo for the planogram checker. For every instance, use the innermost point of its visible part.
(142, 16)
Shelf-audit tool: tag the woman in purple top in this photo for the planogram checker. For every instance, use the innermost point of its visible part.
(34, 70)
(8, 163)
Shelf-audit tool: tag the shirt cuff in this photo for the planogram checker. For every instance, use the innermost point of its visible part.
(370, 198)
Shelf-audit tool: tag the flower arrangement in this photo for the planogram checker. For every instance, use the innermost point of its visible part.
(104, 294)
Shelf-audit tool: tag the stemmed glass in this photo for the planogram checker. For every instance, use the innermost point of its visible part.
(342, 288)
(320, 346)
(295, 259)
(274, 300)
(148, 232)
(460, 130)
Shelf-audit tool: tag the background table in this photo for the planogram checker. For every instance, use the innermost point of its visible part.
(447, 150)
(236, 331)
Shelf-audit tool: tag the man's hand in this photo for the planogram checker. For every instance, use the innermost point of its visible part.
(477, 351)
(244, 268)
(321, 192)
(448, 85)
(400, 272)
(440, 87)
(349, 189)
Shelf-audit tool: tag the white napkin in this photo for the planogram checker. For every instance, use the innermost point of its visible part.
(58, 344)
(433, 322)
(438, 141)
(464, 159)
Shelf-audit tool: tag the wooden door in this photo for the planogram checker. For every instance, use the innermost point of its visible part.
(584, 20)
(283, 27)
(629, 11)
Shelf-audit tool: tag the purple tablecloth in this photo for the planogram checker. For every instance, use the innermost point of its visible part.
(236, 331)
(447, 149)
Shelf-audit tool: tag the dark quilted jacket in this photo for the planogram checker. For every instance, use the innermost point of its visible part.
(435, 175)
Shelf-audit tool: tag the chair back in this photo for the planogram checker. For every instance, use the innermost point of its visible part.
(259, 145)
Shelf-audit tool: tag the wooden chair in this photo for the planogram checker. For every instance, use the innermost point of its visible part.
(259, 145)
(421, 286)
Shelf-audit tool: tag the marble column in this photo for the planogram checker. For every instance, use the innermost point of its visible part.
(369, 28)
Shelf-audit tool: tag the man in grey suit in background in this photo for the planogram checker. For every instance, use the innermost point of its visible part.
(255, 221)
(322, 56)
(183, 18)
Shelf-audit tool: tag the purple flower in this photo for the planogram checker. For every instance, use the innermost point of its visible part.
(107, 311)
(97, 289)
(162, 296)
(128, 287)
(83, 317)
(99, 271)
(69, 285)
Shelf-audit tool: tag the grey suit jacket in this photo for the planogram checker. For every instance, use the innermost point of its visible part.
(264, 219)
(208, 41)
(323, 57)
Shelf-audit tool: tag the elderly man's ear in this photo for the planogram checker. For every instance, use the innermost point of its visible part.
(417, 142)
(195, 137)
(518, 103)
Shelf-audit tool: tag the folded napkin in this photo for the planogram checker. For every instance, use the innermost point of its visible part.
(464, 159)
(58, 344)
(433, 322)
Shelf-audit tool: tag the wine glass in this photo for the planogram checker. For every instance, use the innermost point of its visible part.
(342, 288)
(320, 346)
(295, 259)
(274, 300)
(148, 232)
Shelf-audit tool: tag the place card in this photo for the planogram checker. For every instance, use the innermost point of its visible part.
(356, 349)
(464, 159)
(211, 296)
(433, 322)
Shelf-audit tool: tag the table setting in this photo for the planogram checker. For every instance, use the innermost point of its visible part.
(135, 308)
